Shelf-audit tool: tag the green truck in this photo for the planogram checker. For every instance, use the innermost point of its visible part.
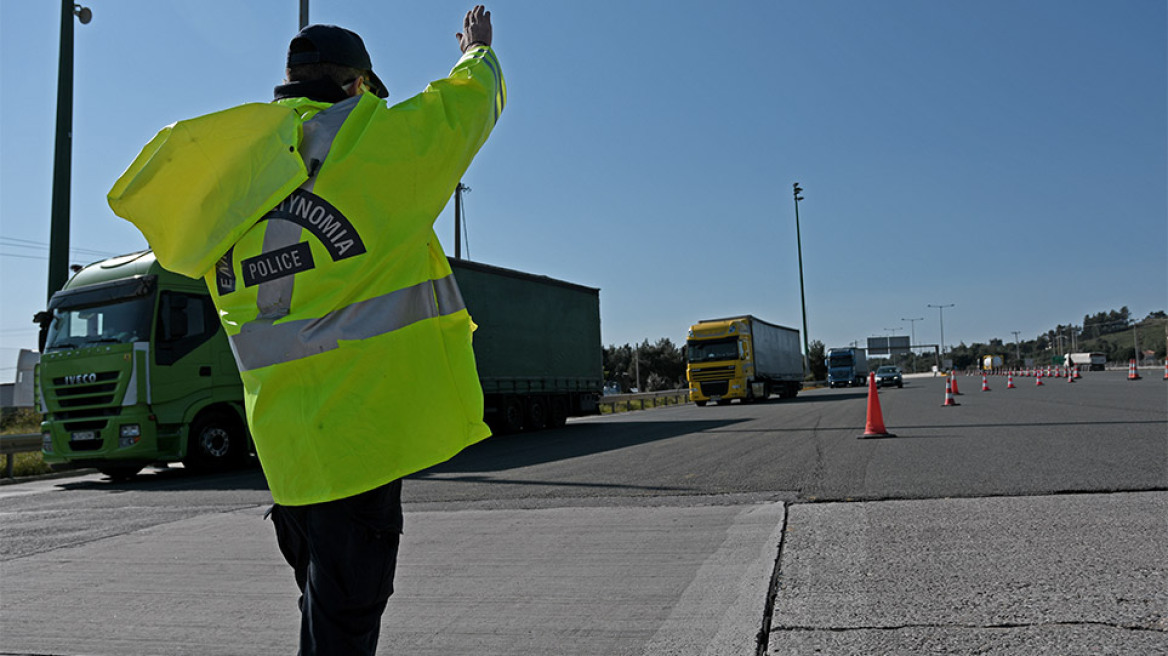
(136, 369)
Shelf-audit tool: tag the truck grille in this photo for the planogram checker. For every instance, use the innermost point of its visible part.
(98, 394)
(716, 388)
(711, 374)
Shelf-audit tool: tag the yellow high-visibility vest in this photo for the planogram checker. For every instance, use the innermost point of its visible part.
(312, 224)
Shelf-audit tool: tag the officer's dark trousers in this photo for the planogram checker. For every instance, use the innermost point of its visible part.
(344, 553)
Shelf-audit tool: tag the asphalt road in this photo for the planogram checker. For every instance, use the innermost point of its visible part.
(990, 527)
(1101, 434)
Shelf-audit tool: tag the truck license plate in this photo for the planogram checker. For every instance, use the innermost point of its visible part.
(83, 436)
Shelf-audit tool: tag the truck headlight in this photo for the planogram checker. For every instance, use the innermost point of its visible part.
(128, 435)
(47, 442)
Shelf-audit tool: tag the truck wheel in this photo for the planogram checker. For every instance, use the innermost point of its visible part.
(215, 443)
(512, 419)
(537, 413)
(120, 474)
(559, 412)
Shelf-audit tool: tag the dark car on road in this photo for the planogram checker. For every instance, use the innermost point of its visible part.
(889, 375)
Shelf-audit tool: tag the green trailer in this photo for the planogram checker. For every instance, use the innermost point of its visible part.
(537, 346)
(136, 369)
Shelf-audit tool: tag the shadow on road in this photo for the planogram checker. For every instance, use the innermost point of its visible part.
(178, 479)
(572, 441)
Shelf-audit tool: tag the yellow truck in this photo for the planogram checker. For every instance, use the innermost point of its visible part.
(742, 358)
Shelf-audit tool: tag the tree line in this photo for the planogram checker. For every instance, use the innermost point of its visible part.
(661, 364)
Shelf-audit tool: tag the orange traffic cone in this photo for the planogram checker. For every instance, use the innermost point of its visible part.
(949, 395)
(1166, 370)
(985, 384)
(1133, 373)
(874, 427)
(954, 378)
(1078, 375)
(1038, 379)
(1010, 381)
(1070, 376)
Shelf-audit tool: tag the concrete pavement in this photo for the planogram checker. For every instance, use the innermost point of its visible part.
(1066, 574)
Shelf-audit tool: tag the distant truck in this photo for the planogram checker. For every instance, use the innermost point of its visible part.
(742, 358)
(1086, 361)
(137, 370)
(846, 367)
(991, 362)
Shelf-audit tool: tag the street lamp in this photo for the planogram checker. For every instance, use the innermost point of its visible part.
(941, 311)
(802, 297)
(913, 328)
(63, 152)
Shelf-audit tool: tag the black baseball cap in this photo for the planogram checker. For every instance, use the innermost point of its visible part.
(335, 45)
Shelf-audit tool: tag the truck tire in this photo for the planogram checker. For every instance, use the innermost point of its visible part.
(512, 419)
(537, 413)
(121, 473)
(559, 416)
(215, 442)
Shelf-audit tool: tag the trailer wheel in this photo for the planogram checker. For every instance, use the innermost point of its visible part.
(215, 442)
(537, 413)
(512, 415)
(559, 412)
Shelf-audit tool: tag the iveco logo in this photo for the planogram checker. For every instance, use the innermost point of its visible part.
(80, 378)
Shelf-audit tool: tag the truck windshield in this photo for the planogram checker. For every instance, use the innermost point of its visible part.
(721, 349)
(116, 321)
(840, 361)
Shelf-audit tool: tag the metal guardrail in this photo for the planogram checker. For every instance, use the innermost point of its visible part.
(670, 397)
(10, 445)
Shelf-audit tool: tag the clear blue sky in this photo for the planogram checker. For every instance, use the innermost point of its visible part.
(1006, 157)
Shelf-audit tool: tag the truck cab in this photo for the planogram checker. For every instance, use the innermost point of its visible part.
(846, 367)
(136, 370)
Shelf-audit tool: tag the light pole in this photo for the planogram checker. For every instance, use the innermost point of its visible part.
(1017, 348)
(941, 311)
(913, 327)
(63, 152)
(802, 297)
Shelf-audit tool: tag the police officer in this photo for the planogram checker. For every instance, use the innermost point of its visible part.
(311, 220)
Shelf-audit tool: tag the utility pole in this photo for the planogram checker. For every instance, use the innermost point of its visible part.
(458, 191)
(637, 367)
(941, 312)
(802, 297)
(63, 152)
(912, 323)
(1017, 347)
(1136, 341)
(303, 14)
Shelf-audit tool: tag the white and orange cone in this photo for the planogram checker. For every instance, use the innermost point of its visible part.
(1010, 381)
(949, 395)
(1038, 379)
(1133, 372)
(985, 384)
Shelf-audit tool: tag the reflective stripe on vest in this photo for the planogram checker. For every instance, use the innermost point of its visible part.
(274, 298)
(262, 343)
